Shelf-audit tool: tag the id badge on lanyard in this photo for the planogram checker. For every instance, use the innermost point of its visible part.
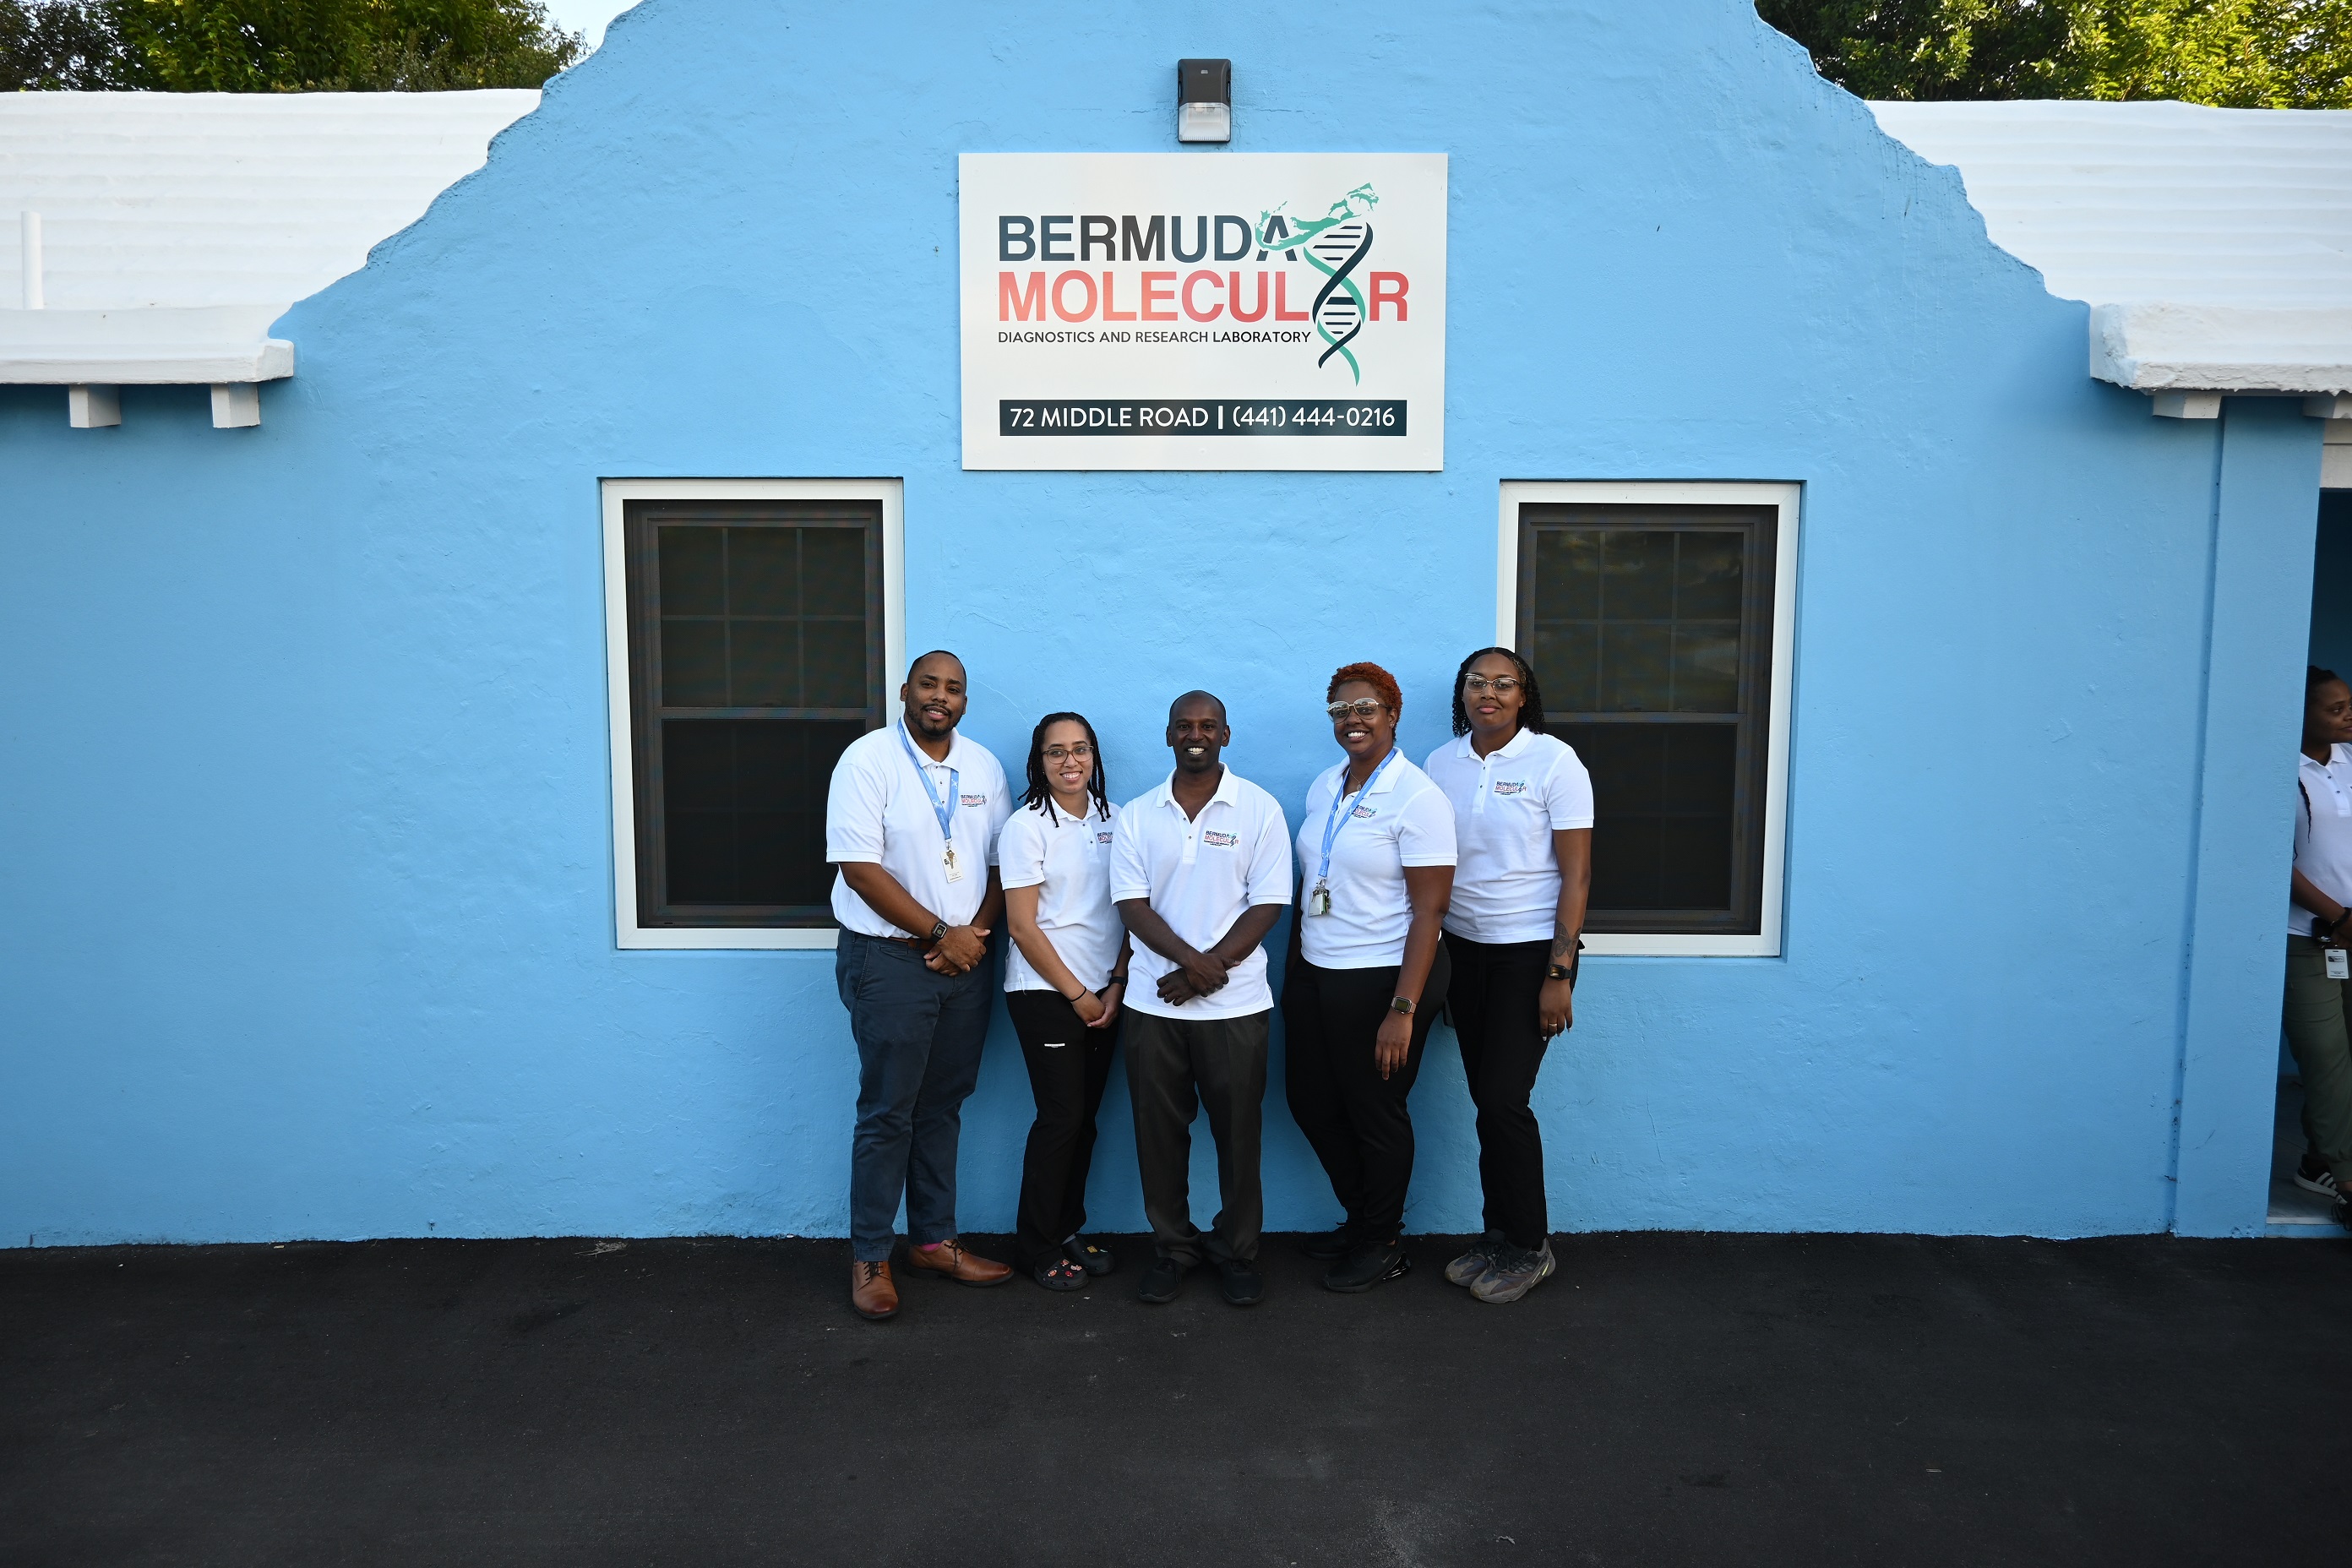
(1319, 903)
(943, 809)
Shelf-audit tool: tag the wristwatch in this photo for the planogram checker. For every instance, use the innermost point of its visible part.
(1560, 972)
(1399, 1005)
(938, 931)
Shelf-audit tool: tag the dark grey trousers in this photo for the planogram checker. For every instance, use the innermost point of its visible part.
(918, 1036)
(1176, 1066)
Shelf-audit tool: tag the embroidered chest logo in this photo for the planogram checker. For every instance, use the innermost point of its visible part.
(1365, 811)
(1216, 839)
(1103, 837)
(1514, 786)
(975, 800)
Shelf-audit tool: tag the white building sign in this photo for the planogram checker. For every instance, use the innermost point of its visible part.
(1203, 309)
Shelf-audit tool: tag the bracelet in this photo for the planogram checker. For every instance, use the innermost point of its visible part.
(1114, 979)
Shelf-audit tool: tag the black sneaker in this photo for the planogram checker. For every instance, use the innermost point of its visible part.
(2341, 1213)
(1163, 1281)
(1241, 1282)
(1375, 1263)
(2315, 1177)
(1328, 1245)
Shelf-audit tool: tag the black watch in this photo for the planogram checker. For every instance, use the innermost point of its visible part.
(939, 929)
(1560, 972)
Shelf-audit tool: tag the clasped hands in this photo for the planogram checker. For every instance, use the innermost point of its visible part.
(959, 951)
(1196, 975)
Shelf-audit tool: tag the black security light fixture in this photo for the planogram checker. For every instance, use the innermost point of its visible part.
(1204, 101)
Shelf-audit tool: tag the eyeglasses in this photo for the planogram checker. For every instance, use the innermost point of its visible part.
(1501, 685)
(1361, 708)
(1081, 752)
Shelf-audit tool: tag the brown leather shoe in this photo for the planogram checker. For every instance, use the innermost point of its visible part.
(950, 1261)
(871, 1290)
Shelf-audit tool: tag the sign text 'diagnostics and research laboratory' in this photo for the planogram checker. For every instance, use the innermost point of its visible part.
(1204, 310)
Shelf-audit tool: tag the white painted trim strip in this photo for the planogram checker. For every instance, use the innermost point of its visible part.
(891, 493)
(1786, 499)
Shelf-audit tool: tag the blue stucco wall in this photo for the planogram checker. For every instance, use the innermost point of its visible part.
(305, 883)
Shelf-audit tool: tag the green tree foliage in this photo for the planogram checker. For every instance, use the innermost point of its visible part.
(2241, 54)
(280, 45)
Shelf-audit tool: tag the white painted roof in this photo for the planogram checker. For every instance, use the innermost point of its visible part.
(2213, 245)
(175, 227)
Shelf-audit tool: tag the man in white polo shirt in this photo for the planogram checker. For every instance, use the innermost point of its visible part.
(911, 823)
(1200, 870)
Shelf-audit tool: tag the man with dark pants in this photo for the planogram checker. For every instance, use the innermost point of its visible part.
(912, 822)
(1200, 870)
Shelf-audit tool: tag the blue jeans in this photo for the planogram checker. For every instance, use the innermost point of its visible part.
(918, 1036)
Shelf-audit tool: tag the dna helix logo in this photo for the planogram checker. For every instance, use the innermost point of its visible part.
(1336, 244)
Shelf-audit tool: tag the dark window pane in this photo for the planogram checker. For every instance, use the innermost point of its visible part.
(762, 571)
(1567, 574)
(764, 658)
(693, 578)
(833, 572)
(1707, 667)
(745, 809)
(694, 663)
(836, 668)
(1637, 582)
(1710, 576)
(1635, 669)
(1568, 666)
(1661, 806)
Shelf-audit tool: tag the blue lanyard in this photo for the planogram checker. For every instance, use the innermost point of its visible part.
(943, 809)
(1333, 823)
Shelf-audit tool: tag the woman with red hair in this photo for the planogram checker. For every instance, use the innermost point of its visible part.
(1367, 971)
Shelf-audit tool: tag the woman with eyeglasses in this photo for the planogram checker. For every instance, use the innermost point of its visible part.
(1367, 971)
(1523, 806)
(1062, 980)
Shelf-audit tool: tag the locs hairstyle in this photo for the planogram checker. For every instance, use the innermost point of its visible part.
(1531, 714)
(1039, 791)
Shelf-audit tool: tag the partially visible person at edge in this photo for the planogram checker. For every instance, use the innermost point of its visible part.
(911, 823)
(1062, 980)
(1200, 870)
(1367, 971)
(1523, 811)
(2318, 921)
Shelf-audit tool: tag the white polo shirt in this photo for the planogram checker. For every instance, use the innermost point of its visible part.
(1401, 819)
(881, 813)
(2323, 831)
(1067, 859)
(1200, 873)
(1507, 805)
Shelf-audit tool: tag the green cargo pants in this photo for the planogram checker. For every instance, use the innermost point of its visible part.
(2323, 1054)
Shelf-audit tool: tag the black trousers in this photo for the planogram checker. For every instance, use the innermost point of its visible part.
(1356, 1120)
(1494, 1002)
(1068, 1065)
(1176, 1068)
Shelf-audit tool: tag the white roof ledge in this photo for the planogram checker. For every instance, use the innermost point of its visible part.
(2163, 347)
(153, 345)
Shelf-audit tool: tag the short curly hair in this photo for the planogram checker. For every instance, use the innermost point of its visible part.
(1374, 675)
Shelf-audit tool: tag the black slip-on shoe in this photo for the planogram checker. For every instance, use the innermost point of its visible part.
(1240, 1281)
(1327, 1246)
(1163, 1281)
(1368, 1266)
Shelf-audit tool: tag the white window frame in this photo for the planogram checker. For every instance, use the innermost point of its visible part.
(617, 493)
(1785, 499)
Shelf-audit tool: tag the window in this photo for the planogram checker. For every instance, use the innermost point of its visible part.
(752, 624)
(1656, 617)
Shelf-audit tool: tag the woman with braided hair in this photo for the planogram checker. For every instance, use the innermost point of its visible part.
(1063, 982)
(1523, 804)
